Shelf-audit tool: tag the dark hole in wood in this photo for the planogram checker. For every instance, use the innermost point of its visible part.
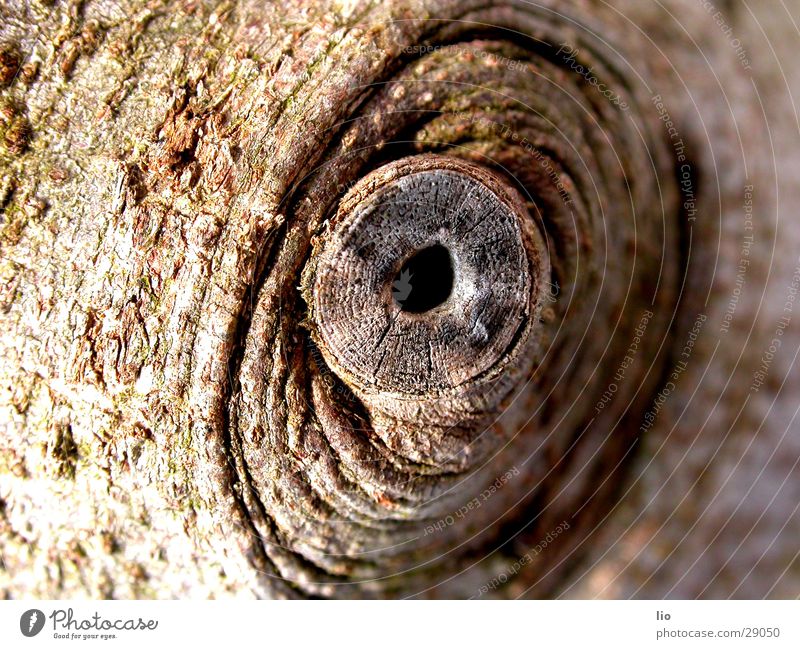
(425, 281)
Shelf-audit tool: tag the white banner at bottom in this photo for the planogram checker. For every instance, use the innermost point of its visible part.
(385, 624)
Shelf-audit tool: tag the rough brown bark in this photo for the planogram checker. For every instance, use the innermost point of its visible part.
(177, 423)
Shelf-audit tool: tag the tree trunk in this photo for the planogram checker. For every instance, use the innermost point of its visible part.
(213, 382)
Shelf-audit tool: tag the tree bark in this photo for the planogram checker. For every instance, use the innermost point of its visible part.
(178, 180)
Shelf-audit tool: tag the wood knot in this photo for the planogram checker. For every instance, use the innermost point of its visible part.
(426, 288)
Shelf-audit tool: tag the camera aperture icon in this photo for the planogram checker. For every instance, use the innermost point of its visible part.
(31, 622)
(402, 287)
